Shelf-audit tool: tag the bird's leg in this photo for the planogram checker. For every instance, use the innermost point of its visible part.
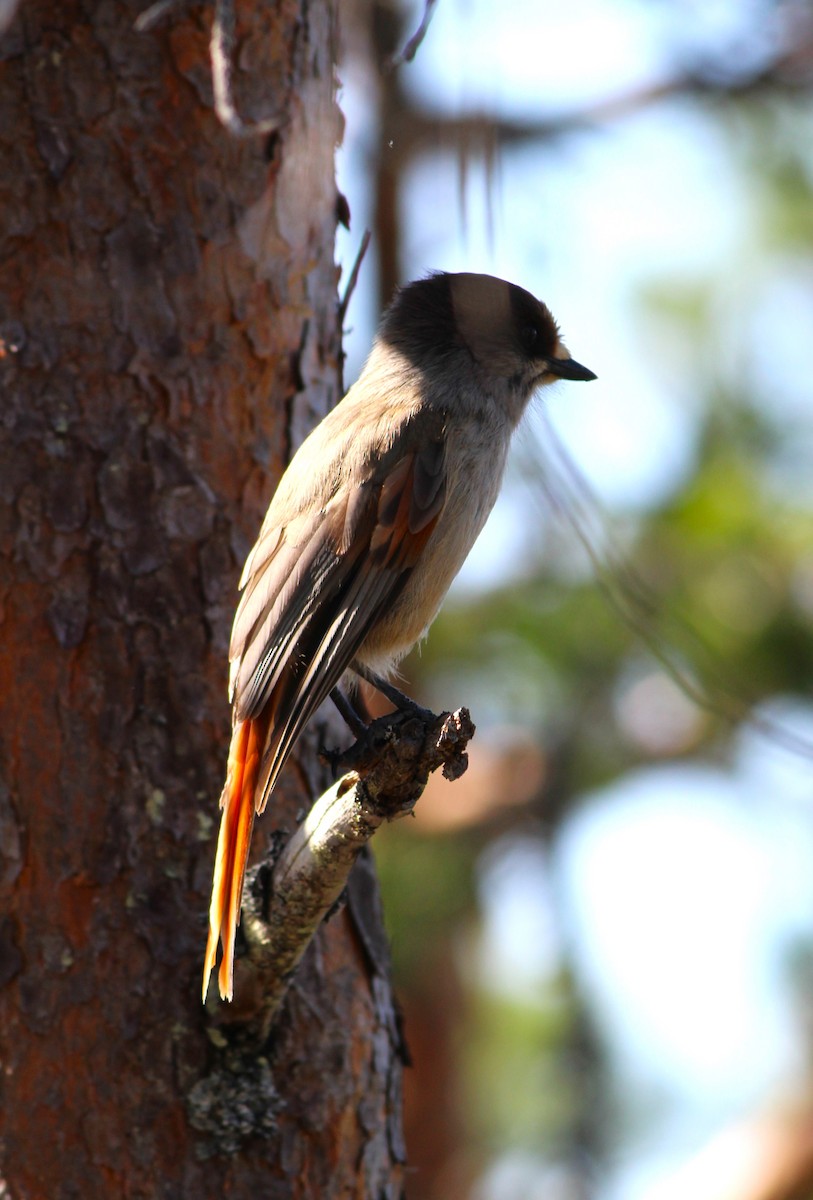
(401, 701)
(355, 719)
(369, 733)
(351, 717)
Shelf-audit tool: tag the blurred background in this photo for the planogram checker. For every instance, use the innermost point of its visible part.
(603, 933)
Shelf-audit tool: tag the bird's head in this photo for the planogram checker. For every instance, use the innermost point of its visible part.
(508, 336)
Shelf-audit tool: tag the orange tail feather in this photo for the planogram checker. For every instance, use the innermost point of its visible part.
(234, 840)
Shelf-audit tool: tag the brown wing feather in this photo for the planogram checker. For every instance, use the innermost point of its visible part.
(310, 598)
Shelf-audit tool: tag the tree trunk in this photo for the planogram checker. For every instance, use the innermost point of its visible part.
(167, 336)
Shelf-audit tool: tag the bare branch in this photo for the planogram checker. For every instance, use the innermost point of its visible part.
(221, 50)
(411, 48)
(353, 277)
(345, 300)
(413, 129)
(392, 764)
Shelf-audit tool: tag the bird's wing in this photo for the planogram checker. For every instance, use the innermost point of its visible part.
(309, 603)
(312, 591)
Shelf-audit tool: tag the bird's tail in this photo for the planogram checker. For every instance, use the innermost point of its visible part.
(259, 748)
(238, 806)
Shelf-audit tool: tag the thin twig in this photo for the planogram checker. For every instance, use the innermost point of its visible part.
(353, 277)
(221, 50)
(154, 14)
(345, 301)
(411, 48)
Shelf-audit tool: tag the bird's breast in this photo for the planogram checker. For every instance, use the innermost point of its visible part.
(475, 463)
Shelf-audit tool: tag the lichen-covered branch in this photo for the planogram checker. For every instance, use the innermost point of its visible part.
(286, 901)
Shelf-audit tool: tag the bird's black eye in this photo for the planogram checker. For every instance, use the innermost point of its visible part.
(531, 339)
(535, 329)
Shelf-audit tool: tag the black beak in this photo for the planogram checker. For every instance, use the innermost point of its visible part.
(568, 368)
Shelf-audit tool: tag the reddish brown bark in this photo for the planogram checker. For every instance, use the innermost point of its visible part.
(167, 334)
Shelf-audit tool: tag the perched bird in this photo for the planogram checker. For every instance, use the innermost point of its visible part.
(369, 526)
